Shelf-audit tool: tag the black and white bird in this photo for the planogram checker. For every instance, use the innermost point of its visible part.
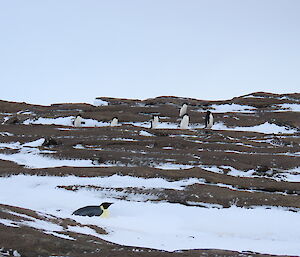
(78, 121)
(184, 124)
(183, 110)
(209, 120)
(114, 122)
(94, 210)
(154, 122)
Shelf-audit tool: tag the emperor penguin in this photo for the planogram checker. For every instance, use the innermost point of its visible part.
(209, 120)
(154, 122)
(94, 210)
(114, 122)
(184, 124)
(183, 110)
(78, 121)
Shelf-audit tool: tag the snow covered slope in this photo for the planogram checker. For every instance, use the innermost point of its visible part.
(232, 190)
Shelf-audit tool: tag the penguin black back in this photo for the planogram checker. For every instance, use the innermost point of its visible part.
(92, 210)
(209, 120)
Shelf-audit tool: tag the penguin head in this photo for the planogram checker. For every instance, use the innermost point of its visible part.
(105, 205)
(208, 112)
(185, 104)
(185, 115)
(78, 115)
(115, 118)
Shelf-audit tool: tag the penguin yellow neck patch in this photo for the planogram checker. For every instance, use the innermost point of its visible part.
(105, 213)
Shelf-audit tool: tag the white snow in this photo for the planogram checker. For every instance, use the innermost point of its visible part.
(222, 108)
(99, 102)
(35, 143)
(253, 96)
(161, 125)
(14, 145)
(66, 121)
(145, 133)
(160, 225)
(291, 175)
(8, 223)
(33, 159)
(114, 181)
(79, 146)
(83, 230)
(59, 235)
(41, 224)
(6, 134)
(47, 226)
(232, 171)
(172, 226)
(267, 128)
(289, 107)
(124, 139)
(172, 166)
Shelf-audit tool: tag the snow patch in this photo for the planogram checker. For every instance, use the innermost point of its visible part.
(145, 133)
(99, 102)
(35, 143)
(66, 121)
(33, 159)
(8, 223)
(267, 128)
(163, 226)
(289, 107)
(173, 166)
(222, 108)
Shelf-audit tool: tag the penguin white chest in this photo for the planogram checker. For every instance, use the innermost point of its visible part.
(211, 120)
(183, 110)
(78, 121)
(155, 122)
(105, 213)
(184, 124)
(114, 122)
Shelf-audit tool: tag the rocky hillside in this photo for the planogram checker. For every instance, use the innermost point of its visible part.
(250, 158)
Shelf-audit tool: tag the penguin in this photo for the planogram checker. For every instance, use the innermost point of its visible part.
(154, 122)
(94, 210)
(209, 120)
(78, 121)
(183, 110)
(114, 122)
(184, 124)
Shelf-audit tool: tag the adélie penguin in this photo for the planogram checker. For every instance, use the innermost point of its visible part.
(183, 110)
(154, 122)
(94, 210)
(114, 122)
(184, 124)
(78, 121)
(209, 120)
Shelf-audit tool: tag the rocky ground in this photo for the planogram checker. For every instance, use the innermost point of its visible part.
(214, 156)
